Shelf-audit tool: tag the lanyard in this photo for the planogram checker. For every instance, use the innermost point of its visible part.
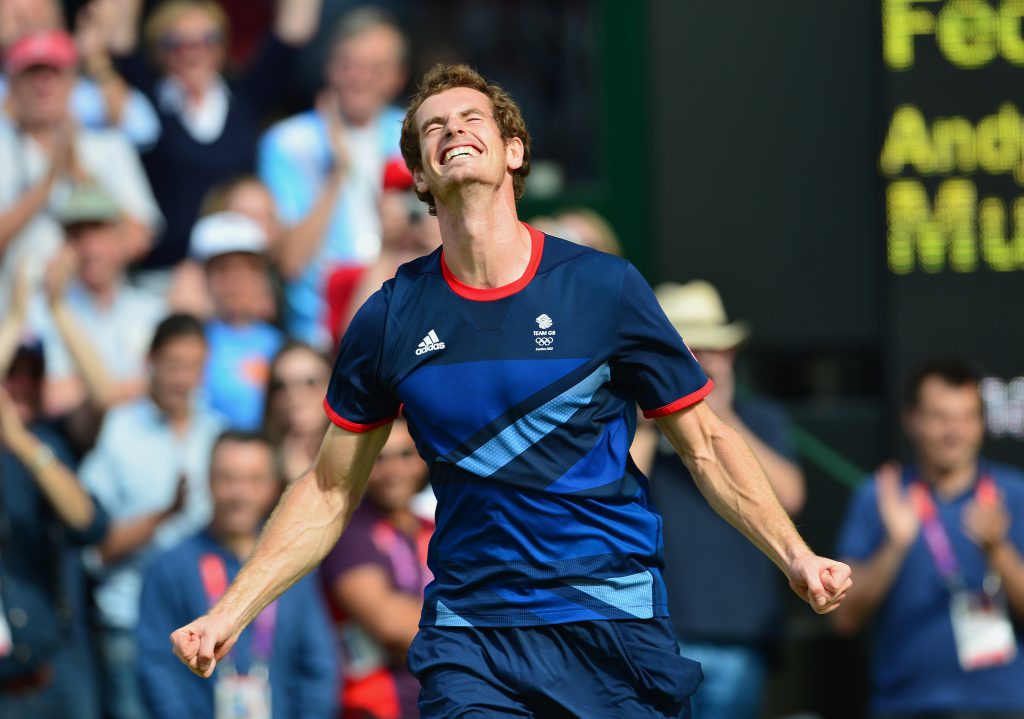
(214, 574)
(935, 536)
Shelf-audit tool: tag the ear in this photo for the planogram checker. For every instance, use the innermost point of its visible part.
(514, 153)
(419, 180)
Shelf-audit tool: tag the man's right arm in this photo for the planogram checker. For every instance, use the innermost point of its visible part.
(305, 526)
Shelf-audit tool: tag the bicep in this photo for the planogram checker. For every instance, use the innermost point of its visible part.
(346, 458)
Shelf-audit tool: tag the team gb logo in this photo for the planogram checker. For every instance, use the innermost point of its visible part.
(544, 322)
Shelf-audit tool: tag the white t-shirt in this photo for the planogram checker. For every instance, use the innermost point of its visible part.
(104, 154)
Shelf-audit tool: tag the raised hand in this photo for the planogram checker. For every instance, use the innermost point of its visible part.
(986, 521)
(819, 581)
(329, 109)
(58, 273)
(895, 506)
(204, 642)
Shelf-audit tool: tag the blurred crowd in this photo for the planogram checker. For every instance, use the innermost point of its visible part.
(178, 259)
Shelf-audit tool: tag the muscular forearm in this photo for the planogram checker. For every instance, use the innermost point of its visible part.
(786, 478)
(731, 479)
(1007, 562)
(874, 580)
(70, 502)
(298, 247)
(305, 525)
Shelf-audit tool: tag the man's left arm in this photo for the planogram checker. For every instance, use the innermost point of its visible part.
(734, 484)
(988, 524)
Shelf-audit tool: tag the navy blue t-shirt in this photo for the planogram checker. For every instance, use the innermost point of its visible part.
(521, 400)
(915, 666)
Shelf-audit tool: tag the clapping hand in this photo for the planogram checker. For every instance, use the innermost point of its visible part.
(896, 507)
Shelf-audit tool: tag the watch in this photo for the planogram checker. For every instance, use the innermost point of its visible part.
(43, 457)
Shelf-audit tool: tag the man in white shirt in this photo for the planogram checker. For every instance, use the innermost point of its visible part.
(44, 155)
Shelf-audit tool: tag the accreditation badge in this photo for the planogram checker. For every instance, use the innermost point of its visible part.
(982, 629)
(242, 696)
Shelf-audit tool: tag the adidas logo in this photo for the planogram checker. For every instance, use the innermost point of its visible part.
(429, 343)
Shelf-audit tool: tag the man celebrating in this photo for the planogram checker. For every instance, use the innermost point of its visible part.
(518, 358)
(939, 545)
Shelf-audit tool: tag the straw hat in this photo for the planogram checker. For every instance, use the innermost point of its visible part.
(696, 310)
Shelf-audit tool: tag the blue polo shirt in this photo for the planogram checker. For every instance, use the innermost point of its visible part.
(303, 671)
(914, 664)
(522, 400)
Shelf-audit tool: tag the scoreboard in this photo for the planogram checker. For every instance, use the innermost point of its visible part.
(951, 160)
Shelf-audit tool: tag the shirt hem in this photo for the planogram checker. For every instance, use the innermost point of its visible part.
(351, 426)
(530, 619)
(681, 403)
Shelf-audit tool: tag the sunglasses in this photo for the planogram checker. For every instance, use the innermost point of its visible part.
(277, 383)
(172, 42)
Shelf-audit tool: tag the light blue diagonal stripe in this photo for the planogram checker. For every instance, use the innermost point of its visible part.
(447, 618)
(633, 594)
(527, 431)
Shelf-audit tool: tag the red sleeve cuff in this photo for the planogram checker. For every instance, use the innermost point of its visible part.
(353, 426)
(682, 402)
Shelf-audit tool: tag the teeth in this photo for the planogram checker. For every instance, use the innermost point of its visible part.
(459, 152)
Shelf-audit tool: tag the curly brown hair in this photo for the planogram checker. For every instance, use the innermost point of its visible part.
(506, 114)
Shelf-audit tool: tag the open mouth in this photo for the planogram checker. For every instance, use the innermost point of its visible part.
(457, 152)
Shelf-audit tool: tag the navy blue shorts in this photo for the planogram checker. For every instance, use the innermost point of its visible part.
(590, 670)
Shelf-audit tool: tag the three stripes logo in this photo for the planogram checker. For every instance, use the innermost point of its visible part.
(429, 343)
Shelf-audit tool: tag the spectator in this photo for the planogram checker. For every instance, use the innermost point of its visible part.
(936, 548)
(324, 166)
(149, 470)
(295, 421)
(246, 195)
(101, 99)
(43, 513)
(43, 154)
(717, 622)
(209, 126)
(283, 665)
(232, 248)
(375, 577)
(407, 232)
(97, 308)
(582, 226)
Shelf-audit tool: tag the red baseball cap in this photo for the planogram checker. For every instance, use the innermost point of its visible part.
(53, 48)
(397, 175)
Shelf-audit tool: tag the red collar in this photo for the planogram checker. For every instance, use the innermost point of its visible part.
(481, 294)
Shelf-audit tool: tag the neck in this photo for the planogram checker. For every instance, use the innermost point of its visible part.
(102, 295)
(240, 545)
(42, 132)
(403, 520)
(950, 482)
(485, 245)
(177, 417)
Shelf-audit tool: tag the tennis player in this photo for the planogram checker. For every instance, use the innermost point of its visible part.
(519, 359)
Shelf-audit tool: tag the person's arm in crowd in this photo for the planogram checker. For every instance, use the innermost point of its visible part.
(33, 201)
(297, 248)
(92, 29)
(100, 388)
(126, 536)
(161, 677)
(877, 573)
(368, 597)
(12, 325)
(305, 525)
(734, 484)
(316, 663)
(987, 523)
(69, 500)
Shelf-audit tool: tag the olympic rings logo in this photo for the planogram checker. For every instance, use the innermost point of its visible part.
(545, 341)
